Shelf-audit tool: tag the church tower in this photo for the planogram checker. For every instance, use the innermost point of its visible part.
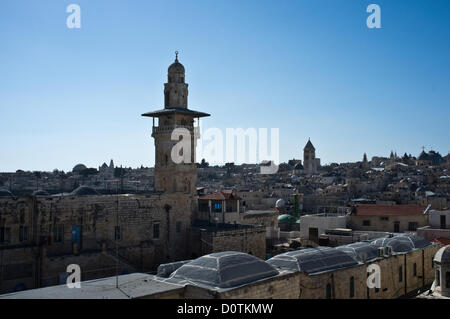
(309, 158)
(171, 175)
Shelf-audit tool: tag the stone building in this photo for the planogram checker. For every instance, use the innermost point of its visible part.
(222, 206)
(442, 265)
(431, 158)
(206, 239)
(107, 171)
(312, 226)
(439, 226)
(41, 235)
(406, 269)
(225, 207)
(389, 218)
(310, 163)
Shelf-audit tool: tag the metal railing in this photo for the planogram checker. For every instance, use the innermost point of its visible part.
(170, 128)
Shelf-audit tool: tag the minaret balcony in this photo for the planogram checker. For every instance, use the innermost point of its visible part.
(168, 129)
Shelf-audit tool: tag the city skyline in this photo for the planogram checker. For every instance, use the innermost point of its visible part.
(75, 96)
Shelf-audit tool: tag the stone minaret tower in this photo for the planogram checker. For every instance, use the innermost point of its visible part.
(171, 176)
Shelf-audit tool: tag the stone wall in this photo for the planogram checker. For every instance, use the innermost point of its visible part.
(377, 224)
(304, 286)
(34, 225)
(248, 240)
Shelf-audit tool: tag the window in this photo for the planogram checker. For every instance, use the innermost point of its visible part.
(155, 231)
(366, 222)
(400, 274)
(412, 226)
(384, 218)
(328, 292)
(178, 227)
(396, 227)
(117, 233)
(352, 287)
(415, 269)
(23, 233)
(447, 279)
(5, 235)
(58, 234)
(217, 207)
(438, 277)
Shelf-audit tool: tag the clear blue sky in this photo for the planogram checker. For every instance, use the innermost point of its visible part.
(311, 68)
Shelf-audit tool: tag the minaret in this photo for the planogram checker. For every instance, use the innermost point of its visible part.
(171, 175)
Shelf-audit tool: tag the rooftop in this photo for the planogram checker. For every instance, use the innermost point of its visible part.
(131, 286)
(388, 210)
(223, 270)
(313, 260)
(220, 195)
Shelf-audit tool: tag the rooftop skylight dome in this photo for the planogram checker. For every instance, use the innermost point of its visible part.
(223, 270)
(313, 260)
(402, 243)
(361, 251)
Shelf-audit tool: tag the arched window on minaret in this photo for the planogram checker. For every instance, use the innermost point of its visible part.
(166, 98)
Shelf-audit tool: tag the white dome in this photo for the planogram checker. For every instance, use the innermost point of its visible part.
(443, 255)
(280, 203)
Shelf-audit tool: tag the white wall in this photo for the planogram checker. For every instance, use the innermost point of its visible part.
(321, 222)
(435, 218)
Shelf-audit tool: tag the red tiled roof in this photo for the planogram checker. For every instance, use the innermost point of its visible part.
(388, 210)
(222, 195)
(442, 240)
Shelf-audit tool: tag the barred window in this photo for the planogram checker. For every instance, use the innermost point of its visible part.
(23, 233)
(328, 292)
(352, 287)
(5, 235)
(117, 233)
(58, 234)
(155, 231)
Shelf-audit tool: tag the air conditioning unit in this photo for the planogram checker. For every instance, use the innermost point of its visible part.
(388, 251)
(380, 251)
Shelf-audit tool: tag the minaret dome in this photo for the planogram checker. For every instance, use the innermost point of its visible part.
(176, 71)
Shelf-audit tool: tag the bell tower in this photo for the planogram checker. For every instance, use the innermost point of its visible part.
(309, 158)
(171, 125)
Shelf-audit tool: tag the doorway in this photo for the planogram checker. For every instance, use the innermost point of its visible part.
(314, 234)
(396, 227)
